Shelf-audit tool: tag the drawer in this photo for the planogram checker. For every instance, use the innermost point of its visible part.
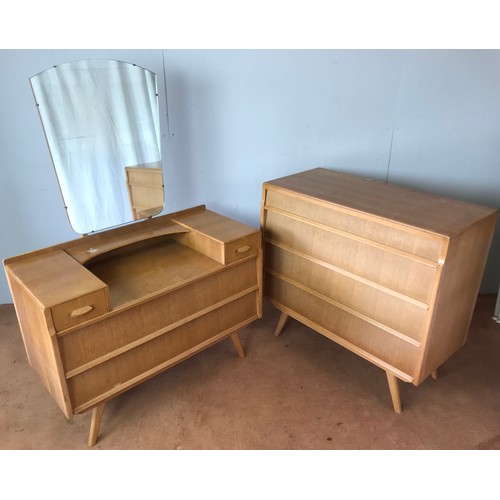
(79, 310)
(147, 196)
(135, 365)
(152, 177)
(361, 225)
(242, 248)
(404, 275)
(350, 331)
(225, 253)
(396, 312)
(134, 324)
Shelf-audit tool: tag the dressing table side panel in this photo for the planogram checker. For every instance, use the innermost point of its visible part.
(40, 342)
(203, 244)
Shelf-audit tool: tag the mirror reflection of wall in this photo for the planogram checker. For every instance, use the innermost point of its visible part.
(99, 117)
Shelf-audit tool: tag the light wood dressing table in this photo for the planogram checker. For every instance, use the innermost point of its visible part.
(103, 313)
(107, 311)
(388, 272)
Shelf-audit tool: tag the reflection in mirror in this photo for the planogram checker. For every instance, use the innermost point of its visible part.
(101, 122)
(145, 189)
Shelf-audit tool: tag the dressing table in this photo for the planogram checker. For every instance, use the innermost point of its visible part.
(101, 314)
(108, 310)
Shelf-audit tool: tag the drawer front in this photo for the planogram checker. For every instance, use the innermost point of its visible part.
(412, 278)
(147, 196)
(223, 253)
(423, 244)
(133, 366)
(362, 337)
(393, 311)
(130, 326)
(146, 176)
(79, 310)
(242, 248)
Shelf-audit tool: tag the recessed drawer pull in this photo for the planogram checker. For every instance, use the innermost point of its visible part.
(80, 312)
(243, 249)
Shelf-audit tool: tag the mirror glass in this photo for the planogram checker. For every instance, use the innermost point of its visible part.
(101, 122)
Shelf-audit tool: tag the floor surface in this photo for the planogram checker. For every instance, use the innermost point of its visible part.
(299, 391)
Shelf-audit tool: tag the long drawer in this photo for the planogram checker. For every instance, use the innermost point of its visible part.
(425, 245)
(360, 336)
(403, 273)
(145, 360)
(90, 344)
(394, 312)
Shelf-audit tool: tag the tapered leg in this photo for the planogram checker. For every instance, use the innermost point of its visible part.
(434, 374)
(281, 324)
(394, 389)
(237, 344)
(95, 424)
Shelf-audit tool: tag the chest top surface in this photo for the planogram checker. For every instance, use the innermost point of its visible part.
(438, 214)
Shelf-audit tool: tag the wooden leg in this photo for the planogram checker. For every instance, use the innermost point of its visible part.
(237, 344)
(281, 324)
(394, 389)
(434, 374)
(95, 424)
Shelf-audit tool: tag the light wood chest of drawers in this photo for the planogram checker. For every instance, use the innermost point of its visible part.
(103, 313)
(388, 272)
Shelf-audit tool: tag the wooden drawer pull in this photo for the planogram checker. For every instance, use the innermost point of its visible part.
(243, 249)
(80, 312)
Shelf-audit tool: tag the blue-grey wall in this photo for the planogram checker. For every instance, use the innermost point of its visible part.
(236, 118)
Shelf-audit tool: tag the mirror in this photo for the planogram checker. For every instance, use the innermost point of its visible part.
(101, 121)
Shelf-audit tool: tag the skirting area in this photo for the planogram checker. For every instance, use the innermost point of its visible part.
(298, 391)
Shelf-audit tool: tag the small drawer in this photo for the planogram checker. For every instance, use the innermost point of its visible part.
(79, 310)
(242, 248)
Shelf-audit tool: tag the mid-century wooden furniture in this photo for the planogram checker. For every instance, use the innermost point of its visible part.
(145, 190)
(389, 272)
(105, 312)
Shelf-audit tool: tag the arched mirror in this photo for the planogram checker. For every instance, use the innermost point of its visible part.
(101, 122)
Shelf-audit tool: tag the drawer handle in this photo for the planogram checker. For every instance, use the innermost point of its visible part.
(243, 249)
(80, 312)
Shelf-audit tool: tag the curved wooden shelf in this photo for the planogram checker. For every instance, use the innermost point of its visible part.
(85, 252)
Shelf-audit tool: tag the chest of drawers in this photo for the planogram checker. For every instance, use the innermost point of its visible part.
(388, 272)
(103, 313)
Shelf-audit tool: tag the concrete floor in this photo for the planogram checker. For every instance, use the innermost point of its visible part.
(299, 391)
